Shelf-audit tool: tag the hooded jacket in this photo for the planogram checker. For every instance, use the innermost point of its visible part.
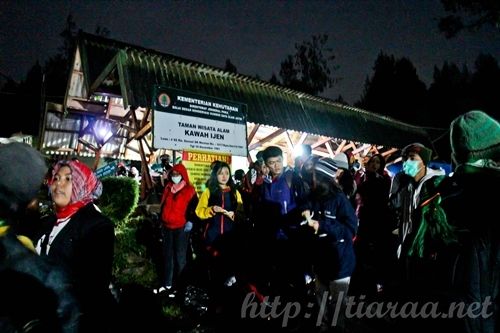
(471, 203)
(175, 205)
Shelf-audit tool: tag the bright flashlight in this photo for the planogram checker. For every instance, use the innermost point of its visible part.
(298, 150)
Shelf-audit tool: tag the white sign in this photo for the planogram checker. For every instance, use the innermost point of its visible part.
(183, 120)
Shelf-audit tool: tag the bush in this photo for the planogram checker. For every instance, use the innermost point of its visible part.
(118, 202)
(119, 198)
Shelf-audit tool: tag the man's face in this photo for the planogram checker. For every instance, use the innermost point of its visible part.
(413, 165)
(415, 157)
(275, 165)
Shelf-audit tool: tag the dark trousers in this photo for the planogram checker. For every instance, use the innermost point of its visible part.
(175, 245)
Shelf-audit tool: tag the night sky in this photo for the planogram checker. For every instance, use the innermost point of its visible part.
(255, 35)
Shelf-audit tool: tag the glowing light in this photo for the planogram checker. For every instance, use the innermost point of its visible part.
(298, 150)
(103, 133)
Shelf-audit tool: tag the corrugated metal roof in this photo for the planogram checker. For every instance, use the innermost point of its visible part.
(141, 69)
(62, 134)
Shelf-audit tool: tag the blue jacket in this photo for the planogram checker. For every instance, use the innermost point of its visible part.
(279, 192)
(334, 253)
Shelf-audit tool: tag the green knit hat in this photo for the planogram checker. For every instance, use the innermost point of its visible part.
(474, 136)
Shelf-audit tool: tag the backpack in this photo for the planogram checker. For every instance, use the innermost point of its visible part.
(434, 232)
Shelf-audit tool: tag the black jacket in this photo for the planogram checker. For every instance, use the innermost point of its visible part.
(471, 203)
(34, 289)
(85, 247)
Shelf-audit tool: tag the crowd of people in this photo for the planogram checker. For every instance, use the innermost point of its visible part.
(323, 230)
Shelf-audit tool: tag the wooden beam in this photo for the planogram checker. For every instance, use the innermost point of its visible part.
(289, 141)
(88, 145)
(320, 142)
(61, 130)
(127, 146)
(252, 133)
(350, 145)
(150, 149)
(340, 147)
(146, 181)
(135, 123)
(320, 153)
(143, 132)
(145, 118)
(302, 139)
(389, 152)
(126, 116)
(127, 127)
(324, 150)
(267, 138)
(329, 148)
(363, 147)
(80, 130)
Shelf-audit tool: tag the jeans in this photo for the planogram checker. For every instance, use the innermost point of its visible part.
(175, 245)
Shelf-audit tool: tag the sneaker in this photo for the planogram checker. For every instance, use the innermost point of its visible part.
(229, 282)
(172, 293)
(162, 289)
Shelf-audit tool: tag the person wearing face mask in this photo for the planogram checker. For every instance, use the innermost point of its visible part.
(411, 190)
(408, 189)
(178, 203)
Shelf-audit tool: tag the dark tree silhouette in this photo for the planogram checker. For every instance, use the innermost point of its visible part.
(9, 99)
(310, 69)
(102, 31)
(449, 94)
(469, 15)
(229, 67)
(22, 103)
(57, 67)
(395, 90)
(485, 85)
(341, 100)
(274, 79)
(26, 101)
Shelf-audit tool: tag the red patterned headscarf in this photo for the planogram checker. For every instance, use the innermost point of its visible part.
(86, 187)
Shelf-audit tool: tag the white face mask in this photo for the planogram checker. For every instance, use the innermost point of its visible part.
(176, 179)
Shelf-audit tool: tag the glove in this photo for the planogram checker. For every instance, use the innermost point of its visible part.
(188, 226)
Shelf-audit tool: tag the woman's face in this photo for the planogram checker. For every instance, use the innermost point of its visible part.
(62, 187)
(223, 176)
(264, 170)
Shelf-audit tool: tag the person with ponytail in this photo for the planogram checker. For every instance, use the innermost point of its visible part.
(81, 240)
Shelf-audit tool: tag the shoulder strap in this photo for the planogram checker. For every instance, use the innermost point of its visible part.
(434, 227)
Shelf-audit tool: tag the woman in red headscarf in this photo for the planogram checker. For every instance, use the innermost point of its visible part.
(81, 240)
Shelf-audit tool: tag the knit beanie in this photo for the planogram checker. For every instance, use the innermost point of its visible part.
(474, 136)
(326, 166)
(22, 169)
(417, 148)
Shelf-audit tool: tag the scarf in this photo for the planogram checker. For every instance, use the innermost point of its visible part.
(177, 187)
(86, 187)
(63, 213)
